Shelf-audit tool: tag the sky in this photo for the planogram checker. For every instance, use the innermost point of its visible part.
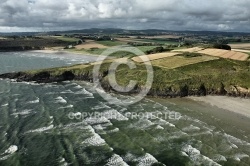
(49, 15)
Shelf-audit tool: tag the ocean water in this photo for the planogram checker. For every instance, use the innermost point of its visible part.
(68, 123)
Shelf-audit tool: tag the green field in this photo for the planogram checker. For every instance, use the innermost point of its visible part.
(110, 43)
(160, 41)
(211, 74)
(66, 39)
(179, 61)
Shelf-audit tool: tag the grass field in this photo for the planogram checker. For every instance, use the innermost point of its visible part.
(154, 56)
(110, 43)
(160, 41)
(153, 40)
(179, 61)
(146, 48)
(163, 37)
(88, 44)
(211, 73)
(66, 39)
(193, 49)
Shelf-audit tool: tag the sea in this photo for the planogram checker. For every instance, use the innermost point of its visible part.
(69, 123)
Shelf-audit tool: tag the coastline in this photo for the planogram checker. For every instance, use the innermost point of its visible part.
(233, 104)
(51, 51)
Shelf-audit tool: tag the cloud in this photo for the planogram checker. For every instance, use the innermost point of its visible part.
(37, 15)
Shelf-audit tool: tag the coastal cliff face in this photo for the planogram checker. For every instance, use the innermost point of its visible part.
(20, 48)
(30, 43)
(165, 92)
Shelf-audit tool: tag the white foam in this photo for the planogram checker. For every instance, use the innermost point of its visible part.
(159, 127)
(11, 150)
(184, 154)
(52, 119)
(240, 156)
(90, 128)
(68, 106)
(98, 127)
(67, 92)
(34, 101)
(146, 160)
(129, 157)
(234, 146)
(235, 140)
(24, 112)
(78, 87)
(79, 125)
(190, 151)
(116, 160)
(218, 158)
(202, 133)
(63, 162)
(41, 129)
(95, 140)
(5, 105)
(191, 128)
(84, 91)
(141, 124)
(114, 114)
(97, 120)
(162, 122)
(60, 100)
(101, 106)
(66, 81)
(177, 134)
(195, 155)
(113, 131)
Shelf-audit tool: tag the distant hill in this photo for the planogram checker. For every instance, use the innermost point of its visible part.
(123, 32)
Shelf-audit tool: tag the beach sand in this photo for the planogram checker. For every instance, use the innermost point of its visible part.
(236, 105)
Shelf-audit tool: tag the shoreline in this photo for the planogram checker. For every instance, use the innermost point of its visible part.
(236, 105)
(51, 51)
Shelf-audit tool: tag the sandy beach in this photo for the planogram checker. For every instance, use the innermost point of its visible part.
(46, 51)
(236, 105)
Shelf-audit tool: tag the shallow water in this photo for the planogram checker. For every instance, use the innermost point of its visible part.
(37, 126)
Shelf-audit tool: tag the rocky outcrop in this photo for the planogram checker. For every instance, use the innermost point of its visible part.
(42, 77)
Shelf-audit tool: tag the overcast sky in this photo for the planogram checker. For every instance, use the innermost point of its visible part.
(44, 15)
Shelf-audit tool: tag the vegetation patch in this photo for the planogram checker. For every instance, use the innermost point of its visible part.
(157, 50)
(189, 55)
(110, 43)
(179, 61)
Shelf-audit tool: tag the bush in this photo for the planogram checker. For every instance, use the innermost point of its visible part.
(222, 46)
(157, 50)
(190, 55)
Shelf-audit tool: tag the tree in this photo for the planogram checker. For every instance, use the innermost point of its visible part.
(222, 46)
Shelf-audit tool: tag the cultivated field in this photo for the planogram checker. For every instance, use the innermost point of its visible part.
(163, 37)
(131, 40)
(241, 50)
(240, 46)
(194, 49)
(154, 56)
(90, 44)
(179, 61)
(236, 54)
(225, 54)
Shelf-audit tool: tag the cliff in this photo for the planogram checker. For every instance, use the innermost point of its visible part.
(219, 77)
